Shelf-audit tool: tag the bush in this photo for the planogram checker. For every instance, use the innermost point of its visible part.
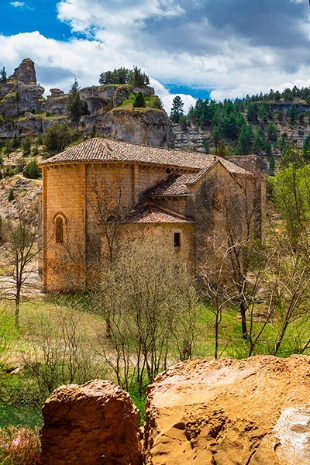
(57, 137)
(19, 446)
(26, 146)
(32, 171)
(139, 101)
(11, 195)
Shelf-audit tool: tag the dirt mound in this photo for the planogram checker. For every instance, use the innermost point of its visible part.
(230, 412)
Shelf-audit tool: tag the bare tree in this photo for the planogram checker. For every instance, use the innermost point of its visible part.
(20, 249)
(151, 308)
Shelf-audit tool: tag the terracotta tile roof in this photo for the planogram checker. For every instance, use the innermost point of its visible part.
(107, 150)
(175, 184)
(150, 214)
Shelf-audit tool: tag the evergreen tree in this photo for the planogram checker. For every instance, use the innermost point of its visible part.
(306, 149)
(176, 109)
(3, 75)
(272, 166)
(245, 140)
(138, 78)
(75, 106)
(139, 101)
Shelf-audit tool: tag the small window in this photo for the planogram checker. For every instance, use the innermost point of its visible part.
(177, 239)
(59, 230)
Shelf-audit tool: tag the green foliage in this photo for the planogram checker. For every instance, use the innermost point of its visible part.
(134, 77)
(139, 101)
(26, 146)
(206, 146)
(154, 102)
(306, 149)
(57, 137)
(15, 141)
(75, 106)
(32, 171)
(291, 155)
(11, 195)
(3, 76)
(291, 194)
(176, 109)
(8, 146)
(138, 78)
(272, 166)
(245, 140)
(272, 132)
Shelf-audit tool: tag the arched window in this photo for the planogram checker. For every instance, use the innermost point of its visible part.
(59, 230)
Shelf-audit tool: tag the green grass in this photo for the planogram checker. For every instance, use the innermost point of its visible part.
(20, 396)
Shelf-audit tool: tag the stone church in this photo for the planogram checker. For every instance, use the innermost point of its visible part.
(99, 194)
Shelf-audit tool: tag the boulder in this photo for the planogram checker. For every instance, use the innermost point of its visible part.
(92, 424)
(230, 412)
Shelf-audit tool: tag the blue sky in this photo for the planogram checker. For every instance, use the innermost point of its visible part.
(192, 48)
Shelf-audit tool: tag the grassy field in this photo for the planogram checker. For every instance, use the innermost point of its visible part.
(30, 359)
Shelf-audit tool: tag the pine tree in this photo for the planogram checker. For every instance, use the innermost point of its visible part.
(176, 109)
(139, 101)
(75, 106)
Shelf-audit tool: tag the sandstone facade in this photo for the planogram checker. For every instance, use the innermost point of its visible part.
(92, 424)
(169, 198)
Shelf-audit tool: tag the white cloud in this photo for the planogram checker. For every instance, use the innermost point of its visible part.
(86, 15)
(171, 45)
(17, 4)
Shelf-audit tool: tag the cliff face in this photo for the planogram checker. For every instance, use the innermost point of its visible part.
(145, 127)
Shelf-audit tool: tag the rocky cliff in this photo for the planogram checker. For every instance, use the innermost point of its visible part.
(25, 111)
(222, 412)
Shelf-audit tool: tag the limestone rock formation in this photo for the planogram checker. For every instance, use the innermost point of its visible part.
(93, 424)
(21, 93)
(230, 412)
(145, 127)
(56, 103)
(100, 99)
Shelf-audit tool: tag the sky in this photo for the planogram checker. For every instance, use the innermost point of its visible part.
(193, 48)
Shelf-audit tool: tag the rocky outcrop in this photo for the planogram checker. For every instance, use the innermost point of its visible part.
(22, 98)
(230, 412)
(140, 126)
(56, 103)
(100, 99)
(20, 92)
(93, 424)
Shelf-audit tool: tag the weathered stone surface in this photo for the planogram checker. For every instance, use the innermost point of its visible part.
(144, 127)
(230, 412)
(100, 99)
(93, 424)
(21, 93)
(26, 72)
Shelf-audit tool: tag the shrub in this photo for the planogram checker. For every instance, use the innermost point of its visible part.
(26, 146)
(32, 171)
(11, 195)
(19, 446)
(139, 101)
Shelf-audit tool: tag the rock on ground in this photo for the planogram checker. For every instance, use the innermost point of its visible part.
(93, 424)
(230, 412)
